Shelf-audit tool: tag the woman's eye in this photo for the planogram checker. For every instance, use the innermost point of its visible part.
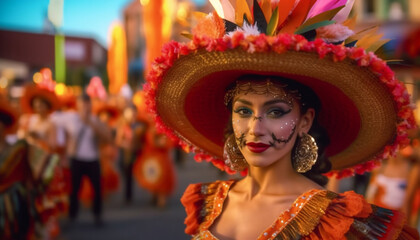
(276, 113)
(243, 112)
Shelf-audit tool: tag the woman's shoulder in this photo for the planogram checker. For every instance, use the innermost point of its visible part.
(349, 216)
(199, 200)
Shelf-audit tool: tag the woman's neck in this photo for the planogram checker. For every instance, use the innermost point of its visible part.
(277, 179)
(43, 116)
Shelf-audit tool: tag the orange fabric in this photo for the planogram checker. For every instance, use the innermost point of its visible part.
(154, 171)
(409, 233)
(339, 216)
(192, 202)
(336, 223)
(153, 168)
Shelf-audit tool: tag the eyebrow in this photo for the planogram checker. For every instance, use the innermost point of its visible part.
(274, 101)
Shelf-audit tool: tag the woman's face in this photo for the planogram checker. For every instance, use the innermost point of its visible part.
(40, 106)
(266, 127)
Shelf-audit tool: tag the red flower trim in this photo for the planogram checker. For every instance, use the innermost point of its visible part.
(280, 44)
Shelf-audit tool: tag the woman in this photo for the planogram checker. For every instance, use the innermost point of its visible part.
(395, 183)
(40, 132)
(15, 181)
(253, 93)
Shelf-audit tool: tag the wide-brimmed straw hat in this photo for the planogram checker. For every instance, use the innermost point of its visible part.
(365, 109)
(113, 111)
(32, 91)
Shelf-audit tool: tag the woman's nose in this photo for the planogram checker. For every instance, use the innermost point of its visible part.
(256, 126)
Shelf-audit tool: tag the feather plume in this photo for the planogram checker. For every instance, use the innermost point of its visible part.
(343, 14)
(266, 9)
(284, 10)
(217, 5)
(242, 9)
(297, 16)
(334, 33)
(323, 6)
(228, 10)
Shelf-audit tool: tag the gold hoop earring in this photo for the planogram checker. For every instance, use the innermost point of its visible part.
(233, 156)
(306, 153)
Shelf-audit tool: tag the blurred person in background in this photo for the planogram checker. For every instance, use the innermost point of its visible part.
(28, 202)
(130, 137)
(85, 133)
(39, 129)
(394, 185)
(15, 181)
(108, 154)
(154, 169)
(40, 132)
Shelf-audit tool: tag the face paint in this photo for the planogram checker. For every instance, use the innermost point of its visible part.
(240, 141)
(282, 140)
(265, 127)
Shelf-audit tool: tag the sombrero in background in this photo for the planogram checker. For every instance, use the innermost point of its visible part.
(112, 111)
(8, 116)
(365, 109)
(33, 91)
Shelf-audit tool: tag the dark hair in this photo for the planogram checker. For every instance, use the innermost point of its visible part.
(43, 100)
(307, 99)
(6, 119)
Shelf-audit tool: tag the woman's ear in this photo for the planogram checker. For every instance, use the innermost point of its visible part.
(307, 120)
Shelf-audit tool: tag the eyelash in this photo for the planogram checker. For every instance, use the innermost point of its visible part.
(280, 113)
(243, 112)
(246, 112)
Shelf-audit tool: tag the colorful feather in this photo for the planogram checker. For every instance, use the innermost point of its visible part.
(284, 8)
(259, 18)
(217, 5)
(323, 6)
(228, 10)
(266, 9)
(325, 16)
(272, 24)
(242, 9)
(344, 13)
(298, 16)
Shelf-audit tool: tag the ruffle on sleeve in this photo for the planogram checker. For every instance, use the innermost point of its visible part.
(349, 216)
(199, 201)
(193, 202)
(339, 216)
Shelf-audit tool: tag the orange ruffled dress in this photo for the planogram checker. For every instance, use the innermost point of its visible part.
(316, 214)
(153, 169)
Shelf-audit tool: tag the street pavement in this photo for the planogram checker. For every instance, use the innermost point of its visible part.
(140, 219)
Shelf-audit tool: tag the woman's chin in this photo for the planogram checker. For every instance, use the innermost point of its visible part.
(260, 162)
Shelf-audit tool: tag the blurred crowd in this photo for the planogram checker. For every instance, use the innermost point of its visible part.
(60, 151)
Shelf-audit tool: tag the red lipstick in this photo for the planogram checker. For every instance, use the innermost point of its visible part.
(257, 147)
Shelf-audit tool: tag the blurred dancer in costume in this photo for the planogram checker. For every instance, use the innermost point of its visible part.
(154, 168)
(130, 138)
(395, 183)
(40, 130)
(85, 133)
(41, 134)
(24, 190)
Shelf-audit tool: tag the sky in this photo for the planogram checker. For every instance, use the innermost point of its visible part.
(86, 18)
